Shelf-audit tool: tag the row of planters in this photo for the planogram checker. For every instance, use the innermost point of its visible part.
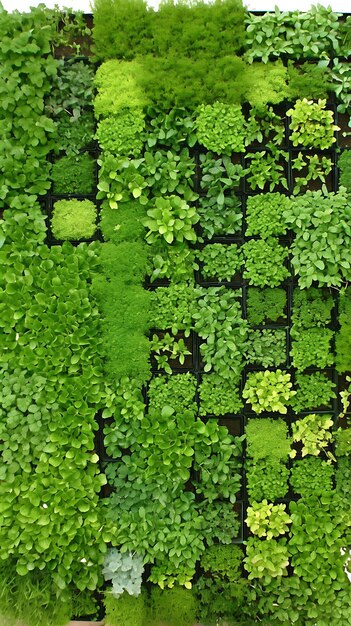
(195, 258)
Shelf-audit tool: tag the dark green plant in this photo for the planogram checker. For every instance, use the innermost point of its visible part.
(220, 127)
(264, 125)
(264, 214)
(264, 262)
(343, 335)
(311, 347)
(220, 210)
(73, 174)
(344, 165)
(169, 173)
(166, 348)
(313, 390)
(219, 395)
(320, 249)
(177, 391)
(266, 347)
(222, 522)
(220, 261)
(174, 607)
(268, 391)
(266, 170)
(343, 469)
(311, 308)
(267, 479)
(341, 85)
(309, 80)
(219, 474)
(173, 307)
(218, 321)
(311, 124)
(171, 129)
(72, 137)
(122, 134)
(176, 262)
(312, 477)
(72, 89)
(264, 305)
(73, 219)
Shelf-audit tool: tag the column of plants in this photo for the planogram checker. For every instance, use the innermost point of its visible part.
(184, 334)
(52, 538)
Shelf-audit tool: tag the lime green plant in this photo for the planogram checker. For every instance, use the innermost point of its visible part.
(122, 134)
(221, 127)
(266, 559)
(264, 214)
(118, 88)
(267, 520)
(312, 125)
(73, 219)
(313, 431)
(269, 391)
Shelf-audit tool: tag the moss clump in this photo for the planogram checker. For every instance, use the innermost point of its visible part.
(73, 219)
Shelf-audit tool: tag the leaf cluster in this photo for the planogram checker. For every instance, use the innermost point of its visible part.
(313, 390)
(220, 261)
(264, 305)
(264, 262)
(264, 214)
(268, 391)
(312, 476)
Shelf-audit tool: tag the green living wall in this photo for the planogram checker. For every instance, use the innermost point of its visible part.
(175, 316)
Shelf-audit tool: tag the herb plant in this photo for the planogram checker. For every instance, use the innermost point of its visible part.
(312, 167)
(220, 128)
(344, 165)
(177, 391)
(266, 347)
(267, 304)
(312, 476)
(266, 170)
(313, 390)
(74, 175)
(343, 336)
(320, 248)
(266, 559)
(219, 395)
(171, 219)
(267, 479)
(313, 432)
(267, 520)
(268, 391)
(220, 261)
(73, 219)
(311, 124)
(121, 134)
(264, 262)
(311, 348)
(264, 214)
